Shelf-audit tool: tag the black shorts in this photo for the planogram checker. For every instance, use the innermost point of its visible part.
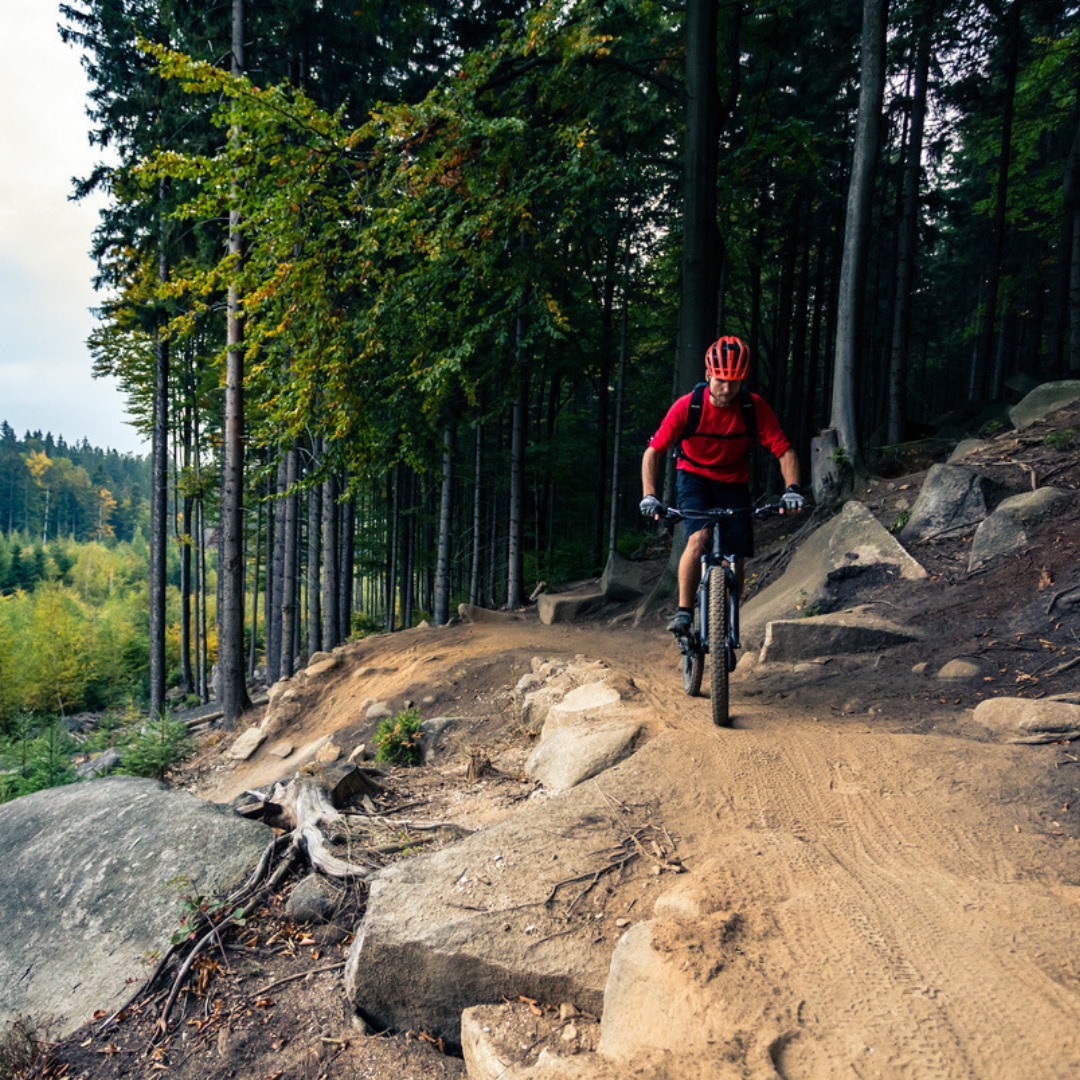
(696, 492)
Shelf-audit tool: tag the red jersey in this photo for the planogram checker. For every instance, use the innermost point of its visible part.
(721, 446)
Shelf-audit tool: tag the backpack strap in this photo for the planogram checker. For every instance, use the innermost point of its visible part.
(693, 419)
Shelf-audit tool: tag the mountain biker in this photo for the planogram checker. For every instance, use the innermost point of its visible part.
(713, 470)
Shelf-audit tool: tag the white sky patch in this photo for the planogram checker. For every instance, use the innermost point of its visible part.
(46, 272)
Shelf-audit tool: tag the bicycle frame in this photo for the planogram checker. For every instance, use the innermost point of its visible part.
(719, 642)
(711, 562)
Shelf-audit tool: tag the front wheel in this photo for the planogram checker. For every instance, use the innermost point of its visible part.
(693, 667)
(718, 652)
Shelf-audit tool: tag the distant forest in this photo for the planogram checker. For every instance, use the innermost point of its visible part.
(50, 490)
(399, 290)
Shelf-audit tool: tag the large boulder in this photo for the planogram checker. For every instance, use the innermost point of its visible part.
(1044, 400)
(950, 500)
(857, 630)
(1009, 527)
(569, 606)
(1026, 720)
(853, 540)
(93, 877)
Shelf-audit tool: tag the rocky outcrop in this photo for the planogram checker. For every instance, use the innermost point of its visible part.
(1023, 720)
(93, 877)
(479, 922)
(950, 500)
(1044, 400)
(1009, 527)
(856, 630)
(853, 540)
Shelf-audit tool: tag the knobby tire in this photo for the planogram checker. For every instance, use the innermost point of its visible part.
(718, 662)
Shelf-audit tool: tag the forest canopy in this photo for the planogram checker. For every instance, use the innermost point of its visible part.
(400, 290)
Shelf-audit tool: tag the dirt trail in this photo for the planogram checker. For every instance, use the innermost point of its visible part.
(909, 898)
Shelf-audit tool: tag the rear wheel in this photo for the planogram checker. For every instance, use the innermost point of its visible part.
(718, 658)
(693, 667)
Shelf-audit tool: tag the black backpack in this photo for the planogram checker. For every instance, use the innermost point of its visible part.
(693, 418)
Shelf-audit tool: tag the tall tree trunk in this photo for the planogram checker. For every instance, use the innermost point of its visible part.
(273, 608)
(314, 563)
(347, 565)
(253, 644)
(478, 495)
(331, 580)
(613, 523)
(515, 595)
(234, 696)
(697, 306)
(1071, 257)
(909, 221)
(393, 526)
(988, 337)
(289, 566)
(441, 613)
(159, 496)
(856, 227)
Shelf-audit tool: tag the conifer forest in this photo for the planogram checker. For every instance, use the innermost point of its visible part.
(399, 291)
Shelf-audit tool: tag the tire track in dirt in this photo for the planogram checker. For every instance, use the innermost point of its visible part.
(880, 898)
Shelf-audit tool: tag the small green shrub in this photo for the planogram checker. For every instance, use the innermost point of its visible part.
(1061, 440)
(156, 748)
(901, 520)
(397, 738)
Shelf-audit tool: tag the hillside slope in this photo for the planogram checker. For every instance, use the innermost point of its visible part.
(883, 886)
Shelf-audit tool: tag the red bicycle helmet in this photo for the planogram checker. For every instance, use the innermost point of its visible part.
(727, 358)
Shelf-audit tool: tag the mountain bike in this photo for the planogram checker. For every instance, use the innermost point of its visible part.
(714, 632)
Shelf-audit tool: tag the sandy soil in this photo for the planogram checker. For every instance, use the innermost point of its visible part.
(912, 886)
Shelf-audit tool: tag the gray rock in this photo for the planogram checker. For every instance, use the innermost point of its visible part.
(965, 448)
(951, 499)
(854, 538)
(959, 671)
(1023, 720)
(90, 888)
(567, 607)
(569, 755)
(855, 631)
(247, 742)
(379, 711)
(1007, 529)
(313, 900)
(101, 765)
(1044, 400)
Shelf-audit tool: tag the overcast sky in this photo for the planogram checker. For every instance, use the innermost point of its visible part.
(45, 271)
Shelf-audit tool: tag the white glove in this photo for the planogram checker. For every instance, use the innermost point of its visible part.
(651, 506)
(792, 501)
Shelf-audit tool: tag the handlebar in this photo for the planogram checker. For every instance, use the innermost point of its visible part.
(673, 513)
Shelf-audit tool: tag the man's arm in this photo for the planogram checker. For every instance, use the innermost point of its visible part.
(651, 469)
(789, 466)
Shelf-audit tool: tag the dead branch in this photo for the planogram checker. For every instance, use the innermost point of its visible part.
(298, 975)
(1057, 596)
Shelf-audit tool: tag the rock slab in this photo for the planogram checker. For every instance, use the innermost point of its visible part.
(91, 877)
